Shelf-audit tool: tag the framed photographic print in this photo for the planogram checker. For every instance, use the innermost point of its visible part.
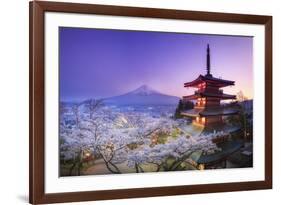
(140, 102)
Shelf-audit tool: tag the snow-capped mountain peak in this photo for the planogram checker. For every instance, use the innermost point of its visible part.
(143, 95)
(144, 90)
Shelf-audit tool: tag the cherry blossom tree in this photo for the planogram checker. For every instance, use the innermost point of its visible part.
(134, 142)
(179, 149)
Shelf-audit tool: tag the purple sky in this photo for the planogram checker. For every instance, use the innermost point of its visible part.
(98, 63)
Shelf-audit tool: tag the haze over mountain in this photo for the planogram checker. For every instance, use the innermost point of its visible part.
(144, 95)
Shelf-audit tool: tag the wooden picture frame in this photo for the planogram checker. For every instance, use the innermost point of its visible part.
(37, 10)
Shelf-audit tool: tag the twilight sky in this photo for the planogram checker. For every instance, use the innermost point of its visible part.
(97, 63)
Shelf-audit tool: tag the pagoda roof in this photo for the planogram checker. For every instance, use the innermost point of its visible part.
(208, 94)
(209, 79)
(192, 112)
(205, 112)
(218, 111)
(228, 148)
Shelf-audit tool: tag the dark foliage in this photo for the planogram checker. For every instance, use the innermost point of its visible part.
(183, 105)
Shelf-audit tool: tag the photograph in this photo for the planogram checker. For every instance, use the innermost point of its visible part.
(133, 101)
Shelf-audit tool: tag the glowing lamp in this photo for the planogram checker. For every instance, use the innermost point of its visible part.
(88, 154)
(201, 167)
(203, 120)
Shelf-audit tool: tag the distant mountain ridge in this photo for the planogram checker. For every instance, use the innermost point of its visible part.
(143, 95)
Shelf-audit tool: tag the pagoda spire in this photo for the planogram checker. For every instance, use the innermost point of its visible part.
(208, 61)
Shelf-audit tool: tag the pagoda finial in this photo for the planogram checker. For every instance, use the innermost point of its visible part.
(208, 61)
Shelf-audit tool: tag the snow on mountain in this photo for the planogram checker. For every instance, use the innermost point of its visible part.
(144, 90)
(144, 95)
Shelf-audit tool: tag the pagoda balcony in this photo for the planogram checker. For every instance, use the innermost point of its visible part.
(206, 112)
(218, 111)
(219, 95)
(192, 112)
(206, 90)
(206, 106)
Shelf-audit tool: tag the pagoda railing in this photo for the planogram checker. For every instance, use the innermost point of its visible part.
(208, 91)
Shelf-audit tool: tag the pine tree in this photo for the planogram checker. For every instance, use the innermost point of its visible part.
(179, 109)
(188, 105)
(182, 106)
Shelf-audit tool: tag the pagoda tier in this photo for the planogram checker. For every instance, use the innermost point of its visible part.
(210, 80)
(205, 112)
(209, 95)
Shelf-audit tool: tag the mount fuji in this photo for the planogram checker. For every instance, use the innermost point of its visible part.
(144, 95)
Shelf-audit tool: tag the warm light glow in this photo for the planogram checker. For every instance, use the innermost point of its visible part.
(87, 154)
(203, 120)
(204, 85)
(201, 167)
(199, 101)
(197, 119)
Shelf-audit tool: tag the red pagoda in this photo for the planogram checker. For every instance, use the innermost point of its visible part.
(208, 110)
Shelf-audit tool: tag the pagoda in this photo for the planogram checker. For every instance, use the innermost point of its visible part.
(208, 110)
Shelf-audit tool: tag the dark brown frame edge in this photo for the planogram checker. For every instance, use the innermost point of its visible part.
(36, 106)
